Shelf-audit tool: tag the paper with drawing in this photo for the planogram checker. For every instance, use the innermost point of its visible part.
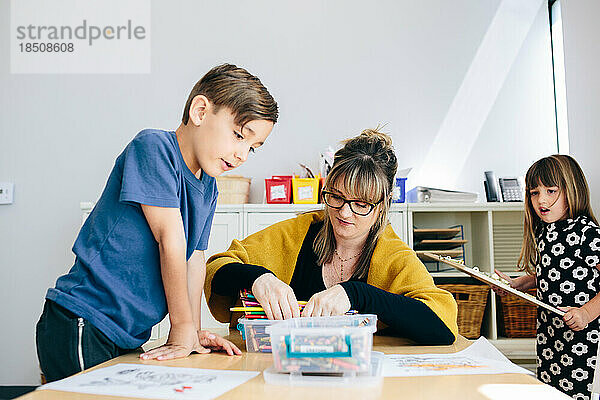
(479, 358)
(153, 382)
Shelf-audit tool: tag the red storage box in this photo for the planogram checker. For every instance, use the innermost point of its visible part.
(279, 189)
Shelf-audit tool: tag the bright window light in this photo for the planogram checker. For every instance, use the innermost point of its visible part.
(560, 91)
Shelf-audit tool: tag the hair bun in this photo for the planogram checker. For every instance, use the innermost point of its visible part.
(376, 136)
(373, 138)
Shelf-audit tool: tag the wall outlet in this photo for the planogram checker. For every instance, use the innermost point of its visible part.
(7, 190)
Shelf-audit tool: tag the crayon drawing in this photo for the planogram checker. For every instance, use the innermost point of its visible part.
(153, 382)
(481, 357)
(142, 379)
(436, 363)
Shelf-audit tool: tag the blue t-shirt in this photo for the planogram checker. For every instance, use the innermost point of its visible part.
(116, 282)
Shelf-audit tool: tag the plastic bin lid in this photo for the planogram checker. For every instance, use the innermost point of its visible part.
(308, 324)
(257, 321)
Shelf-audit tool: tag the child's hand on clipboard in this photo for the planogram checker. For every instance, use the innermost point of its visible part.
(521, 283)
(576, 318)
(499, 291)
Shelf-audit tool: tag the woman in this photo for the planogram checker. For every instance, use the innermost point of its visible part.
(345, 257)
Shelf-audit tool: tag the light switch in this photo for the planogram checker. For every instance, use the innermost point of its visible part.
(7, 190)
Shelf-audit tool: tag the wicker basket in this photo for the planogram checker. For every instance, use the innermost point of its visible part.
(471, 300)
(233, 189)
(519, 316)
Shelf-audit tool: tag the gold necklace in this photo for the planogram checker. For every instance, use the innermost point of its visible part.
(342, 261)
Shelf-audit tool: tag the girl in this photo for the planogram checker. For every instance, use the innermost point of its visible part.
(561, 239)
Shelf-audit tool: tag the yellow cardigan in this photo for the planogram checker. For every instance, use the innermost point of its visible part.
(394, 266)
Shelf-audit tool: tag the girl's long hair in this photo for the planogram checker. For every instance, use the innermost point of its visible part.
(556, 170)
(365, 167)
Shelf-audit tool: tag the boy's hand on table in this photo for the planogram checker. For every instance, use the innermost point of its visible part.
(276, 297)
(332, 301)
(183, 339)
(211, 341)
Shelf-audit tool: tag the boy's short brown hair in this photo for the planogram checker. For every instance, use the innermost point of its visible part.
(233, 87)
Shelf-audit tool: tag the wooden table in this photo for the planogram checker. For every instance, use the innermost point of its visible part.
(463, 387)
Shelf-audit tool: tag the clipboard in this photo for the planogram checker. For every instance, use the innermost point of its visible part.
(491, 281)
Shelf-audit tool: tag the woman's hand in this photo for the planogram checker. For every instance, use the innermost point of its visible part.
(276, 298)
(332, 301)
(211, 341)
(576, 318)
(183, 339)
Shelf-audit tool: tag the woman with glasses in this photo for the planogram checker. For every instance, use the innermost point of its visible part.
(346, 257)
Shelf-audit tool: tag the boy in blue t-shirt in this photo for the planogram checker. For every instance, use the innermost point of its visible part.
(140, 253)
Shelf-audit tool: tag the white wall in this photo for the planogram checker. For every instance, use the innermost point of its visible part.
(334, 66)
(582, 61)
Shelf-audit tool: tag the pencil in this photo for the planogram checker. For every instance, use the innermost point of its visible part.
(247, 309)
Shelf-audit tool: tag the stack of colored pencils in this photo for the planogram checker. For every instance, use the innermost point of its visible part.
(252, 308)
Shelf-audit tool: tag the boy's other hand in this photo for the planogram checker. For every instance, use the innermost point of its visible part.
(183, 339)
(215, 342)
(276, 298)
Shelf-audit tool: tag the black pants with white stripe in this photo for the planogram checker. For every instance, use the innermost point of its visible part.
(67, 344)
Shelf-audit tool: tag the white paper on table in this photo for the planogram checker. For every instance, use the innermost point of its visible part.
(153, 382)
(516, 391)
(479, 358)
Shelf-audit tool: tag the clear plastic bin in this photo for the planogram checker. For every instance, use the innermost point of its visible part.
(323, 344)
(356, 380)
(254, 332)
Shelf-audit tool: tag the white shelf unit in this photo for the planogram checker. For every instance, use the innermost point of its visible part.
(494, 232)
(490, 228)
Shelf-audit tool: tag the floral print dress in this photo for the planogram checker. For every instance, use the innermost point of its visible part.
(567, 276)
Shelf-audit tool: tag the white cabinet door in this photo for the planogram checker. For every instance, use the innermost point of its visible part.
(260, 220)
(225, 228)
(397, 221)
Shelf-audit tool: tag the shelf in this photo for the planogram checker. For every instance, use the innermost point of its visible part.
(435, 245)
(492, 234)
(451, 253)
(464, 207)
(433, 233)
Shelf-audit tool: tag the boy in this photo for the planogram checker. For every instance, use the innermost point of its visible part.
(140, 252)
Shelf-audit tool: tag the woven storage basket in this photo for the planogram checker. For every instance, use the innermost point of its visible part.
(519, 316)
(471, 300)
(233, 189)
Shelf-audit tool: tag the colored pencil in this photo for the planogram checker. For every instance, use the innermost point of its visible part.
(249, 309)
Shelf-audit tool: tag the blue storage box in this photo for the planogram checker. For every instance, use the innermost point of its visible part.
(398, 195)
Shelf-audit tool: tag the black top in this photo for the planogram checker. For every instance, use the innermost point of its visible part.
(405, 316)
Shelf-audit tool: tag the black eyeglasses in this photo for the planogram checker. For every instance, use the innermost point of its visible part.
(358, 207)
